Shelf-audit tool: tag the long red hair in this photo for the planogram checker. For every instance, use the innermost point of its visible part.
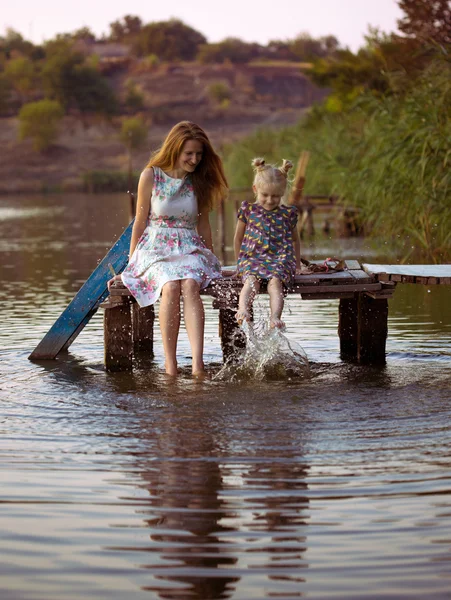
(209, 181)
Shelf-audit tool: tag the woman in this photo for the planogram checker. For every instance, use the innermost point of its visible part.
(171, 250)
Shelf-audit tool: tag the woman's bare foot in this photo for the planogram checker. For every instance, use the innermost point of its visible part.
(276, 323)
(171, 369)
(242, 314)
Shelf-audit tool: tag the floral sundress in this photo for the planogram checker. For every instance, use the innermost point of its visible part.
(170, 248)
(267, 249)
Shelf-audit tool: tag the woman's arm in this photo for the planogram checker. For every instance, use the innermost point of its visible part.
(238, 239)
(204, 229)
(142, 207)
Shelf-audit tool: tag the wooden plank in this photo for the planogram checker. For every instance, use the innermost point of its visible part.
(360, 275)
(324, 289)
(328, 296)
(85, 303)
(353, 265)
(424, 271)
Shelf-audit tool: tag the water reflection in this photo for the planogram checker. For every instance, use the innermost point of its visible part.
(189, 515)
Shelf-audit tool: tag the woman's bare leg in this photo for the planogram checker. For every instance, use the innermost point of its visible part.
(275, 291)
(248, 292)
(193, 313)
(170, 323)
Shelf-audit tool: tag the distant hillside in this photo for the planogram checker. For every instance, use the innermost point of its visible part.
(257, 95)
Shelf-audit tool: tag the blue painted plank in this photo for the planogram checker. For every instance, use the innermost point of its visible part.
(86, 302)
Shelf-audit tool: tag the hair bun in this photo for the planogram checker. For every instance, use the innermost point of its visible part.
(286, 166)
(258, 164)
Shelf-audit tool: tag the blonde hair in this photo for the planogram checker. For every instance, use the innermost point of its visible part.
(209, 181)
(269, 175)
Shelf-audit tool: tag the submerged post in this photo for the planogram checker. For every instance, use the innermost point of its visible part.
(142, 322)
(118, 337)
(363, 328)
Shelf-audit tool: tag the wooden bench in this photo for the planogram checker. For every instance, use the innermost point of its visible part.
(363, 313)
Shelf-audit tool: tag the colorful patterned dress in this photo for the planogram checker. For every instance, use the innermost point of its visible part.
(170, 247)
(267, 249)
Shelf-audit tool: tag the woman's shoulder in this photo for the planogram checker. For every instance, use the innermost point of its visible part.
(147, 175)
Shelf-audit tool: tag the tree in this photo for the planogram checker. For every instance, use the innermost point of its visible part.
(14, 43)
(68, 79)
(426, 20)
(169, 40)
(133, 135)
(231, 49)
(126, 29)
(39, 121)
(21, 73)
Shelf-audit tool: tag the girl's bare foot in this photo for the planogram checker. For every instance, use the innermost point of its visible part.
(242, 314)
(275, 322)
(201, 375)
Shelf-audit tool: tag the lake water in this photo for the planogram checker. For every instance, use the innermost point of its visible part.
(117, 486)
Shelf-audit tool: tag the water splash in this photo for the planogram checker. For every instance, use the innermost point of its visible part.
(268, 354)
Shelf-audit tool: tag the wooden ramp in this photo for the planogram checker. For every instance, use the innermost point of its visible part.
(424, 274)
(85, 304)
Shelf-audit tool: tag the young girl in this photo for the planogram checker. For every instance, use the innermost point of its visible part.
(171, 248)
(266, 243)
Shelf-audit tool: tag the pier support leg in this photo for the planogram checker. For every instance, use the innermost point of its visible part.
(232, 337)
(362, 328)
(347, 327)
(118, 338)
(142, 321)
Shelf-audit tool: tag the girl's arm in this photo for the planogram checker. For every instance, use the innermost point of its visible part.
(297, 246)
(204, 229)
(145, 186)
(239, 235)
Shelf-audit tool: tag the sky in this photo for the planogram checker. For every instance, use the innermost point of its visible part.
(250, 20)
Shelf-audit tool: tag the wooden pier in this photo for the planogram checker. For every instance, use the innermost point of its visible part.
(363, 313)
(362, 292)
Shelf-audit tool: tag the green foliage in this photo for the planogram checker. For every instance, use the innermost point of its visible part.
(67, 78)
(219, 92)
(134, 132)
(39, 121)
(134, 99)
(169, 40)
(5, 94)
(96, 182)
(387, 155)
(21, 73)
(305, 48)
(13, 43)
(231, 49)
(426, 20)
(126, 29)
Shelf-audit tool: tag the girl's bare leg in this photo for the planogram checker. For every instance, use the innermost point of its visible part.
(193, 313)
(248, 292)
(170, 323)
(275, 291)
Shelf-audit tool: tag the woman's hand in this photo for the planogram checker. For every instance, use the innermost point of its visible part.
(113, 280)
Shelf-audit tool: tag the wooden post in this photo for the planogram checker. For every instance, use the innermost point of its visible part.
(232, 337)
(299, 179)
(118, 337)
(348, 310)
(372, 330)
(362, 327)
(142, 321)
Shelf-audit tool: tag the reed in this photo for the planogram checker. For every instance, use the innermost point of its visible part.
(389, 156)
